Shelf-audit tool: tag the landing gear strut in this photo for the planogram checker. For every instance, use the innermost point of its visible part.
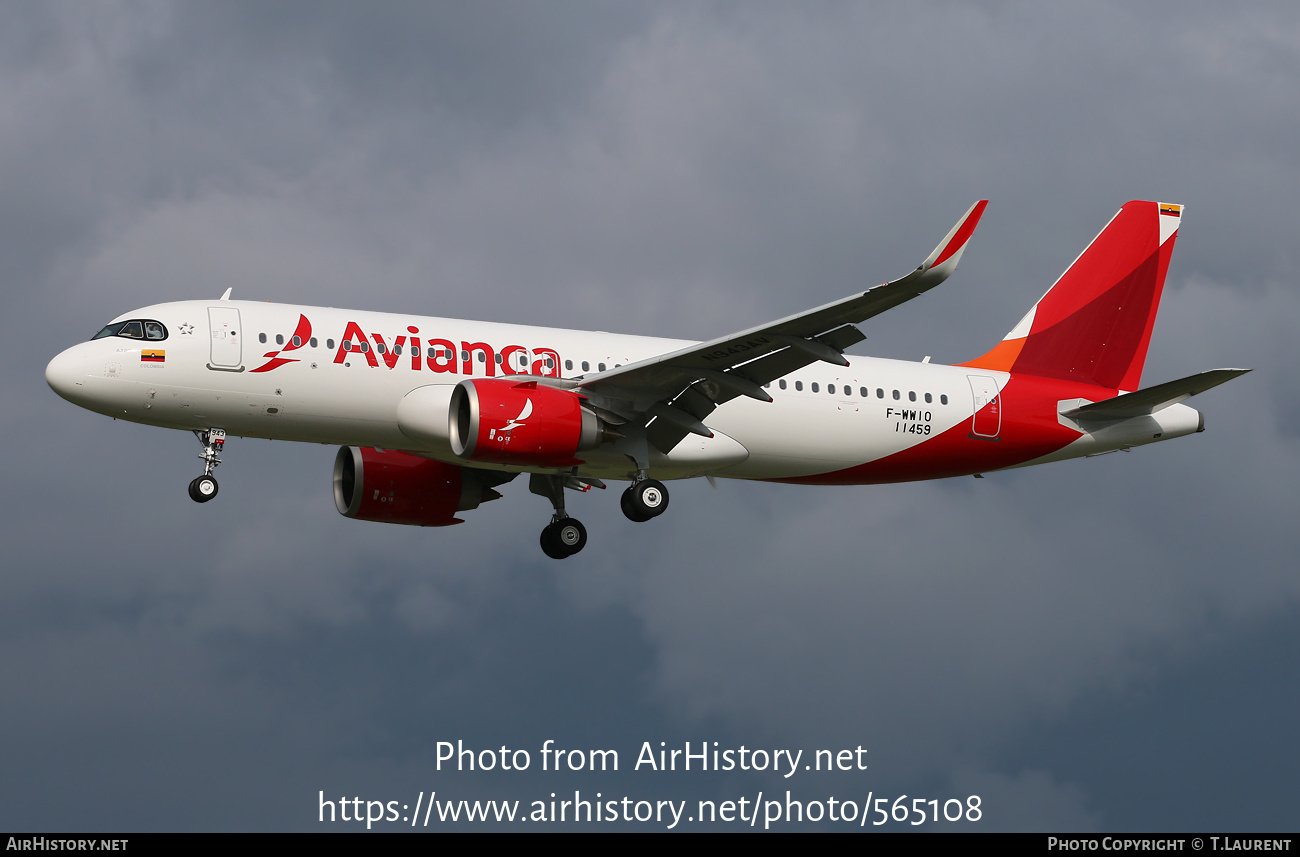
(564, 536)
(204, 488)
(644, 499)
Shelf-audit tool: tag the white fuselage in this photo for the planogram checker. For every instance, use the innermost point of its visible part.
(234, 365)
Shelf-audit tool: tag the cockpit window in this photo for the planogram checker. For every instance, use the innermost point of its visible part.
(136, 328)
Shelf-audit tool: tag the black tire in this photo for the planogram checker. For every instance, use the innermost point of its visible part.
(649, 498)
(563, 538)
(203, 489)
(629, 509)
(550, 544)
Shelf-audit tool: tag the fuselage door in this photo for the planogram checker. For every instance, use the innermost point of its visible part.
(227, 349)
(987, 421)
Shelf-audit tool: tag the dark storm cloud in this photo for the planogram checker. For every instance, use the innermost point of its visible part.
(680, 170)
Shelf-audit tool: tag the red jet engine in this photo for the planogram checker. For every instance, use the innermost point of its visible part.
(526, 424)
(398, 488)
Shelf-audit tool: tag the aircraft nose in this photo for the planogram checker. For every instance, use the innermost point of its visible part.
(66, 373)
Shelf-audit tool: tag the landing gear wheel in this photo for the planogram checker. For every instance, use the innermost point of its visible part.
(645, 500)
(564, 538)
(203, 489)
(625, 505)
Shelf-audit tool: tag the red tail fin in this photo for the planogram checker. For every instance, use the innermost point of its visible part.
(1094, 324)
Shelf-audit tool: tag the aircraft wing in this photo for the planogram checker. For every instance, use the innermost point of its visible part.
(673, 393)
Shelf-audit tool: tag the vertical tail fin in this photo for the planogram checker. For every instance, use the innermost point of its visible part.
(1094, 324)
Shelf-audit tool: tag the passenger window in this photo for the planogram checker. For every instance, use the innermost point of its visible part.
(261, 337)
(864, 392)
(312, 342)
(928, 399)
(365, 347)
(568, 365)
(347, 345)
(297, 341)
(586, 367)
(798, 385)
(498, 358)
(830, 388)
(880, 392)
(329, 343)
(896, 396)
(943, 399)
(279, 339)
(397, 349)
(911, 395)
(601, 367)
(380, 347)
(814, 387)
(782, 383)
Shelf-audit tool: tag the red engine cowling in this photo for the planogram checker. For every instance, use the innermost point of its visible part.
(397, 488)
(507, 422)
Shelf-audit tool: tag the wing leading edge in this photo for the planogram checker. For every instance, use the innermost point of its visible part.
(672, 394)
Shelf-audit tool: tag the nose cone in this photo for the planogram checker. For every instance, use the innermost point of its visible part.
(66, 374)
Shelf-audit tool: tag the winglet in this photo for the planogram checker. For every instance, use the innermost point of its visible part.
(949, 251)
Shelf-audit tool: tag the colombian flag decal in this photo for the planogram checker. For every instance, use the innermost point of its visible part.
(1174, 210)
(153, 355)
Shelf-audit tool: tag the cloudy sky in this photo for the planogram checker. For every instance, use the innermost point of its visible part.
(1093, 645)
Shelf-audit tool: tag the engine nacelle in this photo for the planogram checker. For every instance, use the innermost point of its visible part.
(507, 422)
(397, 488)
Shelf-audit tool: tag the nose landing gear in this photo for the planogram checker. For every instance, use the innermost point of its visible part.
(204, 487)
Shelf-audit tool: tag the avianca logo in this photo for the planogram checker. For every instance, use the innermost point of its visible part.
(301, 334)
(442, 355)
(519, 420)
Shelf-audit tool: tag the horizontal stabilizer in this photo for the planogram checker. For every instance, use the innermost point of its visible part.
(1152, 399)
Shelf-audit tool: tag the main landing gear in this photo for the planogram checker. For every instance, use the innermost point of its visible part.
(564, 536)
(204, 487)
(644, 499)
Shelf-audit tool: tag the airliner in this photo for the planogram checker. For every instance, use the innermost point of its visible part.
(432, 415)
